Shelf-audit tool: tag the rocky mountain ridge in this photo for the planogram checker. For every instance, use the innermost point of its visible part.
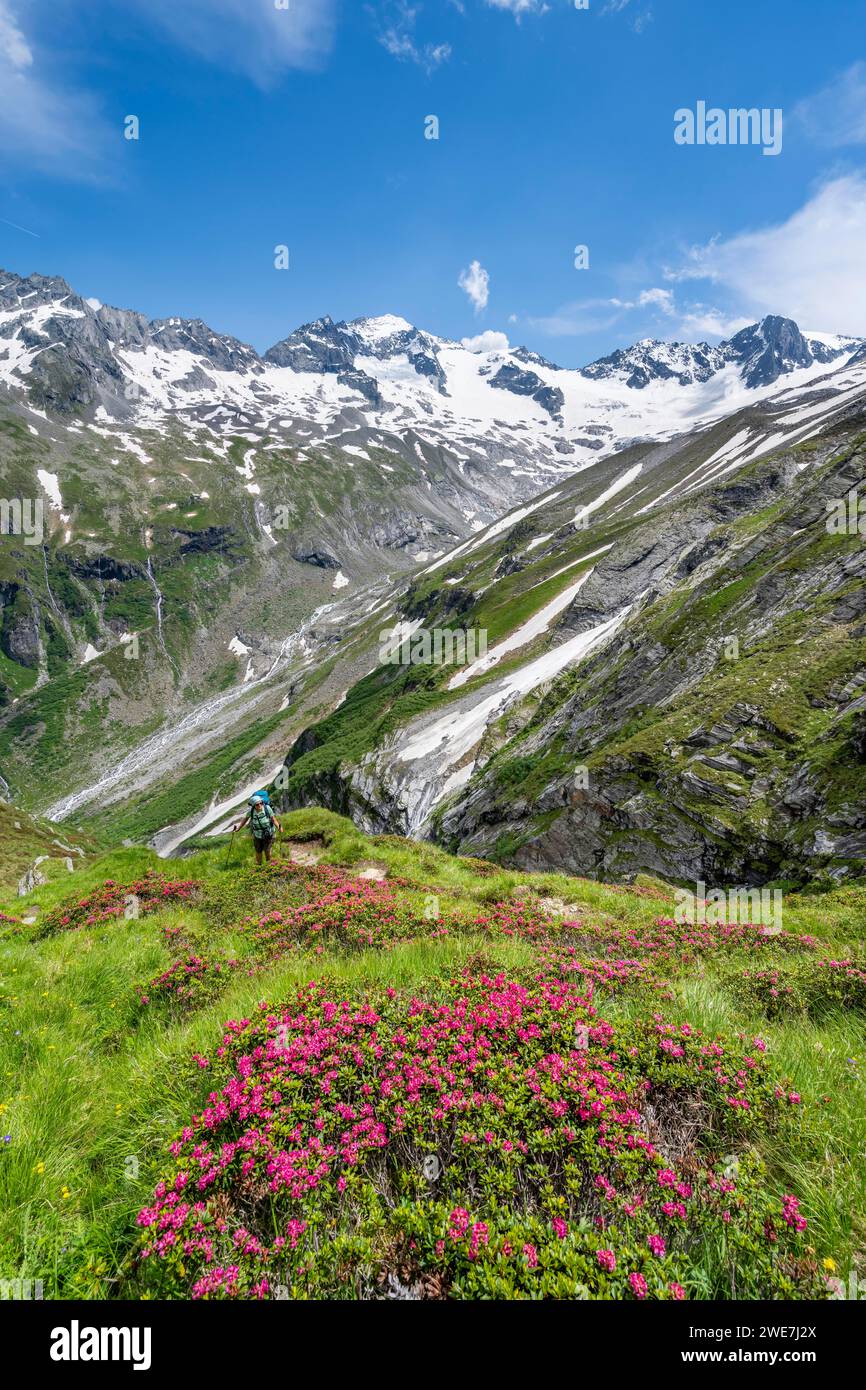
(348, 381)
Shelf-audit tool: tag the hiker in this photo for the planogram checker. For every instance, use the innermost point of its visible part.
(263, 823)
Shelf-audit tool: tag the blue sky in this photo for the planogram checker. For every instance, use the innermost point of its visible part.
(305, 126)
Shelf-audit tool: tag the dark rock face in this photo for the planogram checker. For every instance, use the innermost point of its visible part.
(227, 354)
(21, 641)
(525, 383)
(321, 346)
(400, 532)
(533, 359)
(448, 602)
(551, 399)
(102, 567)
(19, 626)
(366, 385)
(509, 564)
(768, 349)
(653, 360)
(426, 364)
(322, 559)
(202, 542)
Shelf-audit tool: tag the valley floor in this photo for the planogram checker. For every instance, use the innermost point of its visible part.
(376, 1070)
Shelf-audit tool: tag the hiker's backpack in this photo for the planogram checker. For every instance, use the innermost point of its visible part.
(264, 795)
(262, 822)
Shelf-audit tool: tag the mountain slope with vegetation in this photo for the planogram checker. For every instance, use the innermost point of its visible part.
(676, 680)
(36, 846)
(218, 526)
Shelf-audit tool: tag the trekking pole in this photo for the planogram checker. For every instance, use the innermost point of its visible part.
(228, 854)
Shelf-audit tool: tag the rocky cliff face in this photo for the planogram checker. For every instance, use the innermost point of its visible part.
(721, 733)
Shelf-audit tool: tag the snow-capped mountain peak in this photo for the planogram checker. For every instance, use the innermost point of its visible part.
(382, 328)
(762, 353)
(508, 421)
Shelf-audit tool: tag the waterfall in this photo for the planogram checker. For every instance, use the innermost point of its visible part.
(159, 601)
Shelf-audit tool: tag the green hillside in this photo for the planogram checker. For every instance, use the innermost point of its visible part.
(24, 838)
(450, 1081)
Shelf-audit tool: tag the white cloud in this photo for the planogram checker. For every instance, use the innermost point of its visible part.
(249, 36)
(703, 321)
(520, 7)
(401, 46)
(397, 37)
(475, 282)
(639, 22)
(660, 299)
(809, 268)
(836, 115)
(655, 298)
(14, 48)
(580, 316)
(489, 341)
(594, 315)
(597, 315)
(45, 124)
(435, 54)
(398, 45)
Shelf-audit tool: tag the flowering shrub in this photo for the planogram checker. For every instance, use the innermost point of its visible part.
(679, 944)
(809, 987)
(513, 919)
(252, 891)
(113, 900)
(496, 1139)
(346, 912)
(605, 976)
(674, 945)
(187, 983)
